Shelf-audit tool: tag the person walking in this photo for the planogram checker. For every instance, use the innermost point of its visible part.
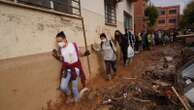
(131, 37)
(149, 40)
(124, 48)
(160, 37)
(68, 53)
(118, 42)
(109, 55)
(138, 42)
(144, 40)
(129, 44)
(153, 39)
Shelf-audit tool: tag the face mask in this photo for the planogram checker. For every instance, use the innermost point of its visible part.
(61, 44)
(103, 40)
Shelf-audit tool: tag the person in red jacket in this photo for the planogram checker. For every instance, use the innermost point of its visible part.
(71, 69)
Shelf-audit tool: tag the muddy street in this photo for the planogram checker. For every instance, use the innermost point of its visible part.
(143, 85)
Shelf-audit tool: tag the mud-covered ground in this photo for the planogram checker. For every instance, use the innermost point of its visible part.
(144, 85)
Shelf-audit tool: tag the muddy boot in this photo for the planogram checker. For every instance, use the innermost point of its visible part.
(76, 100)
(130, 60)
(69, 100)
(113, 74)
(114, 71)
(127, 63)
(68, 94)
(109, 77)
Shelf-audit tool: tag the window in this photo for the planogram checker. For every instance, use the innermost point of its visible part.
(127, 20)
(110, 12)
(64, 6)
(162, 12)
(172, 21)
(161, 21)
(172, 11)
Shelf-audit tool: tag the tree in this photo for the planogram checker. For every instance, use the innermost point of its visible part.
(151, 12)
(187, 19)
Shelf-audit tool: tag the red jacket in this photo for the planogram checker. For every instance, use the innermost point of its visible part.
(77, 64)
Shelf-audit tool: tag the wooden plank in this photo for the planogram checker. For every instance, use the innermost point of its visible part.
(179, 97)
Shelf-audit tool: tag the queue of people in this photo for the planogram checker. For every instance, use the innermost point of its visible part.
(145, 40)
(121, 48)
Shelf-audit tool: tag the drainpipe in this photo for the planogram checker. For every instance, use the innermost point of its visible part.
(85, 40)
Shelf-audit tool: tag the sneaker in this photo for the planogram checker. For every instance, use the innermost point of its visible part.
(109, 77)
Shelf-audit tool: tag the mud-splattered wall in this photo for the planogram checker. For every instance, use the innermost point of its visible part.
(28, 73)
(32, 32)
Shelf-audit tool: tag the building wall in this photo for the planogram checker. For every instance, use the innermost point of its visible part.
(28, 73)
(96, 24)
(32, 32)
(167, 16)
(139, 8)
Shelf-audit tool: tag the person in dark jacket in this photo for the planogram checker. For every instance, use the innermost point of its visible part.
(131, 38)
(144, 40)
(126, 40)
(124, 46)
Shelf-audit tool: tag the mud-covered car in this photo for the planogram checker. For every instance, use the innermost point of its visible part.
(185, 80)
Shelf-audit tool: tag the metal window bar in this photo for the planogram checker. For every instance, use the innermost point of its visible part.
(37, 3)
(64, 6)
(68, 6)
(110, 11)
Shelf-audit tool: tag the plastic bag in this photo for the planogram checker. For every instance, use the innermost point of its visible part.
(130, 52)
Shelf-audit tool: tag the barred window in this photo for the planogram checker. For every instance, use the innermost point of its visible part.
(127, 20)
(173, 21)
(172, 12)
(161, 21)
(110, 12)
(64, 6)
(162, 12)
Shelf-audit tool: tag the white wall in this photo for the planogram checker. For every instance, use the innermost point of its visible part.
(96, 6)
(93, 13)
(25, 31)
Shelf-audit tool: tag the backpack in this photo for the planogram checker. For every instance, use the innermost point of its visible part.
(114, 50)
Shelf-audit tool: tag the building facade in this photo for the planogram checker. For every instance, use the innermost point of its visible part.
(168, 18)
(28, 73)
(139, 16)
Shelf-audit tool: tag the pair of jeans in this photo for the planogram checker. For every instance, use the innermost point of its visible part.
(110, 65)
(64, 86)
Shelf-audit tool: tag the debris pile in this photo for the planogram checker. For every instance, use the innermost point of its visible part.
(142, 96)
(150, 92)
(155, 89)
